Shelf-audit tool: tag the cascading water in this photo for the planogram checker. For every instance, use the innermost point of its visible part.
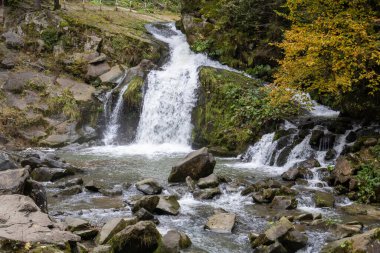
(113, 115)
(171, 92)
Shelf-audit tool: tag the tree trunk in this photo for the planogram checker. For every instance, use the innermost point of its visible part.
(37, 4)
(57, 6)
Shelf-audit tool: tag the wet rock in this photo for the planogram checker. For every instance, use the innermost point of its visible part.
(295, 173)
(190, 184)
(174, 241)
(148, 202)
(366, 242)
(93, 186)
(210, 181)
(221, 222)
(149, 186)
(351, 137)
(45, 174)
(324, 199)
(143, 214)
(13, 40)
(197, 164)
(88, 234)
(284, 202)
(56, 140)
(343, 170)
(70, 191)
(294, 241)
(95, 70)
(279, 229)
(37, 192)
(116, 191)
(110, 229)
(76, 224)
(168, 205)
(248, 190)
(13, 181)
(276, 247)
(208, 193)
(22, 220)
(305, 217)
(340, 231)
(141, 237)
(315, 139)
(6, 162)
(113, 75)
(69, 183)
(330, 154)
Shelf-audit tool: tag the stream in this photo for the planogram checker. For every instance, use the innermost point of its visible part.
(163, 139)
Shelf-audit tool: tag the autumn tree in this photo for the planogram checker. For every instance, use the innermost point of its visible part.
(332, 50)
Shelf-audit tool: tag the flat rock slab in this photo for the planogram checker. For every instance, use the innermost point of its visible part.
(221, 222)
(110, 228)
(13, 181)
(80, 91)
(22, 220)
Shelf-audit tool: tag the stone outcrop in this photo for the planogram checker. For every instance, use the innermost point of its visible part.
(197, 164)
(13, 181)
(22, 220)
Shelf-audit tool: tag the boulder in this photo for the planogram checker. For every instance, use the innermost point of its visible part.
(13, 40)
(102, 249)
(70, 191)
(210, 181)
(168, 205)
(87, 234)
(279, 229)
(343, 170)
(221, 222)
(81, 91)
(316, 138)
(295, 173)
(294, 241)
(149, 186)
(17, 81)
(95, 70)
(76, 224)
(110, 229)
(93, 43)
(115, 191)
(93, 186)
(101, 58)
(340, 231)
(113, 75)
(143, 214)
(197, 164)
(37, 192)
(69, 183)
(13, 181)
(45, 174)
(141, 237)
(284, 202)
(208, 193)
(366, 242)
(324, 199)
(276, 247)
(22, 220)
(56, 140)
(6, 162)
(148, 202)
(174, 241)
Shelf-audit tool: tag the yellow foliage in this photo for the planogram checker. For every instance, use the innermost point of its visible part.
(332, 47)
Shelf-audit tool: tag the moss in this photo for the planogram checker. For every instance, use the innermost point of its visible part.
(215, 124)
(65, 103)
(134, 94)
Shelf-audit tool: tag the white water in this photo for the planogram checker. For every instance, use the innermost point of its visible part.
(171, 93)
(113, 124)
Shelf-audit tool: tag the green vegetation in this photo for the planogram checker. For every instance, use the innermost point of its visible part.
(238, 33)
(64, 103)
(133, 95)
(233, 109)
(147, 5)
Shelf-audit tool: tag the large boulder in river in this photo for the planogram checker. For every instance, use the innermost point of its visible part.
(174, 241)
(149, 186)
(168, 205)
(148, 202)
(141, 237)
(210, 181)
(23, 221)
(13, 181)
(221, 222)
(197, 164)
(324, 199)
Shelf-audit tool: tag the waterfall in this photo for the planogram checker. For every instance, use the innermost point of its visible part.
(171, 91)
(113, 115)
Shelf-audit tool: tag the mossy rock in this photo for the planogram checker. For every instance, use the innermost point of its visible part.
(133, 96)
(214, 117)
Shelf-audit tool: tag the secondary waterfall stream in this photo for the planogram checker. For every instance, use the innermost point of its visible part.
(163, 138)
